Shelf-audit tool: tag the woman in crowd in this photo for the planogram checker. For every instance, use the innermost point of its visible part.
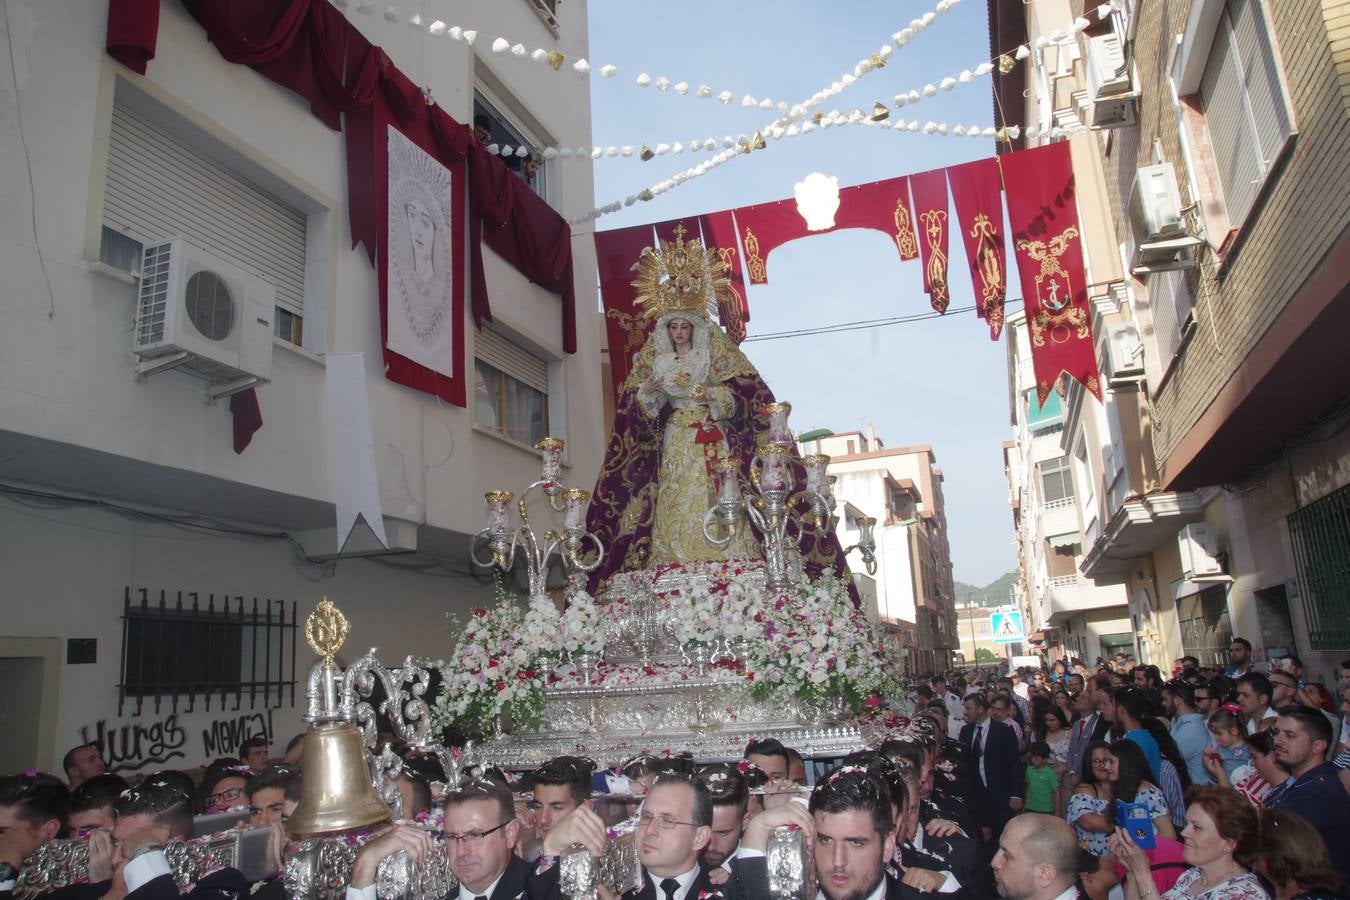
(1056, 733)
(1064, 702)
(1221, 842)
(1135, 782)
(1257, 778)
(1113, 772)
(1294, 858)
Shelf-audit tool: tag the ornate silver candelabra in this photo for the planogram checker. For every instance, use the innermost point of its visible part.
(867, 543)
(773, 501)
(569, 545)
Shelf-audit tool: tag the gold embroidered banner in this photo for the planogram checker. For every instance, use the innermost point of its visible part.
(978, 196)
(1043, 214)
(930, 204)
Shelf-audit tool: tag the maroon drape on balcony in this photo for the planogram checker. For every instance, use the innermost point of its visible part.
(308, 47)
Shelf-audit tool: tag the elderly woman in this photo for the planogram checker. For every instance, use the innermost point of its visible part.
(1221, 838)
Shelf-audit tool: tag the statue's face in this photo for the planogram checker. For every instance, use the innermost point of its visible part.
(681, 332)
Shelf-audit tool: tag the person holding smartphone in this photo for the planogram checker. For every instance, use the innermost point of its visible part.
(1221, 841)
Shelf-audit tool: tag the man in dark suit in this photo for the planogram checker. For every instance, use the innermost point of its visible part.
(994, 765)
(674, 825)
(481, 830)
(937, 846)
(850, 827)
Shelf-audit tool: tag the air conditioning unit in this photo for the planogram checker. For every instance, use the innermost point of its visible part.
(205, 316)
(1108, 71)
(1199, 547)
(1158, 222)
(1124, 354)
(1113, 112)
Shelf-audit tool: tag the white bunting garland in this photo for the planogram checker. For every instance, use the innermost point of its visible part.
(555, 59)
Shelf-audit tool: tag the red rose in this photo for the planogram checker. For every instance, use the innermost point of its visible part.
(501, 686)
(480, 613)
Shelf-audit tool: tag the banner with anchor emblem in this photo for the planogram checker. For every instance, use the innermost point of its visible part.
(1048, 243)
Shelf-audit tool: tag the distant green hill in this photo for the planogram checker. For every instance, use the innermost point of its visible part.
(995, 594)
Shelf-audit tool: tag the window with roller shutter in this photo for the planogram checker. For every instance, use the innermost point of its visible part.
(1246, 112)
(159, 186)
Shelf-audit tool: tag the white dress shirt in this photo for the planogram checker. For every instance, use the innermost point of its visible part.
(686, 882)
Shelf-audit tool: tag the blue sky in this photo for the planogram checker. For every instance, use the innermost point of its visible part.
(940, 382)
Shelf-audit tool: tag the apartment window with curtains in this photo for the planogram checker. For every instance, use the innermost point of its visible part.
(1244, 105)
(510, 389)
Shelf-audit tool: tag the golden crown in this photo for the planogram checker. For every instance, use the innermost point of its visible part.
(680, 276)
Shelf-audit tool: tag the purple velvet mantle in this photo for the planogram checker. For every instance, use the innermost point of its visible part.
(624, 499)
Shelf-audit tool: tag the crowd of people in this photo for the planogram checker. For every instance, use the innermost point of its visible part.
(1035, 785)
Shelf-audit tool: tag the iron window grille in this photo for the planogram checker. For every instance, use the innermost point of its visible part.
(1320, 533)
(219, 648)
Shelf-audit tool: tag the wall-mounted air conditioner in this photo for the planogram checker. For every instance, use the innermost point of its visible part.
(1158, 221)
(202, 315)
(1124, 354)
(1199, 546)
(1108, 70)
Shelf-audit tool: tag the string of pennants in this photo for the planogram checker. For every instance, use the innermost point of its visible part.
(915, 212)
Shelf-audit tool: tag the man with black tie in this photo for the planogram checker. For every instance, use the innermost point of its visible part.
(674, 825)
(993, 762)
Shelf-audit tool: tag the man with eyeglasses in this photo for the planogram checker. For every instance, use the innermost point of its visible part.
(1207, 700)
(481, 831)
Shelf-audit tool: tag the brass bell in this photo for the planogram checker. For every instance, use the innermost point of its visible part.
(336, 792)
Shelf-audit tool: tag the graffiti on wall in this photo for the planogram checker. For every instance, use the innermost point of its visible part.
(133, 744)
(223, 736)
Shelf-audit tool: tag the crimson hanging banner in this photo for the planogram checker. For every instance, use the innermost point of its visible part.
(978, 195)
(930, 209)
(763, 228)
(1049, 249)
(719, 233)
(879, 205)
(626, 328)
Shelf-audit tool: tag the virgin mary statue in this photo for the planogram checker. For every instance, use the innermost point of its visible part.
(691, 399)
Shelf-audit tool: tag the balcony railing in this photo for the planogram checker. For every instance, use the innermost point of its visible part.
(1063, 580)
(1061, 503)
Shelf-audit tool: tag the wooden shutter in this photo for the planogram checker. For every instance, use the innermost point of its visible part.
(512, 359)
(159, 187)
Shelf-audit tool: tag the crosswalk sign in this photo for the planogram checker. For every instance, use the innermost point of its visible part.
(1006, 627)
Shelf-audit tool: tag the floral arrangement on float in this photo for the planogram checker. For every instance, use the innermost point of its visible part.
(492, 673)
(809, 643)
(814, 644)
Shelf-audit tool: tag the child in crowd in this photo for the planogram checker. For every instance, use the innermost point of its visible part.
(1229, 739)
(1042, 782)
